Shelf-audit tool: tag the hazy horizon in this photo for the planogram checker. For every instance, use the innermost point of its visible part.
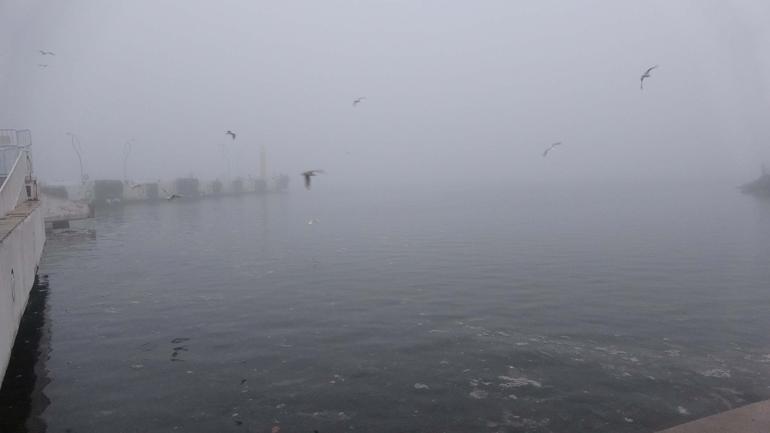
(455, 91)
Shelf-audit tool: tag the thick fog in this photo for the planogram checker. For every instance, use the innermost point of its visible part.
(456, 91)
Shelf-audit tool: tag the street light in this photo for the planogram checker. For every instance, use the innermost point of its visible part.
(78, 149)
(126, 152)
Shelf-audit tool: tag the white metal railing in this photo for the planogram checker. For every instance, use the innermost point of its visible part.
(12, 141)
(13, 189)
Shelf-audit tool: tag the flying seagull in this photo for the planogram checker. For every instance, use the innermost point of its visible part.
(545, 153)
(170, 197)
(308, 174)
(358, 101)
(46, 53)
(41, 65)
(230, 133)
(645, 75)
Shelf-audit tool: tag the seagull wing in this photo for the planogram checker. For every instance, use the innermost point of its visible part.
(307, 179)
(545, 153)
(647, 72)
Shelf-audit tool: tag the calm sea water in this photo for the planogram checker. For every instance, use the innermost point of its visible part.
(491, 310)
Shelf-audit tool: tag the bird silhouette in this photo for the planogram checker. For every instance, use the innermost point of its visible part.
(646, 74)
(358, 101)
(46, 53)
(42, 65)
(545, 153)
(230, 133)
(308, 174)
(172, 196)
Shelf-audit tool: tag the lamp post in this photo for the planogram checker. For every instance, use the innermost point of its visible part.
(126, 152)
(77, 147)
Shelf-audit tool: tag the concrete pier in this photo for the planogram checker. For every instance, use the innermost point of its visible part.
(22, 235)
(753, 418)
(58, 212)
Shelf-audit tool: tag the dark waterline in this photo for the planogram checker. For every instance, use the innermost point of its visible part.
(563, 311)
(22, 400)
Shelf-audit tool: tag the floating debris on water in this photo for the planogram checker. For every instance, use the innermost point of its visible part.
(682, 410)
(478, 394)
(421, 386)
(515, 382)
(476, 382)
(716, 372)
(337, 378)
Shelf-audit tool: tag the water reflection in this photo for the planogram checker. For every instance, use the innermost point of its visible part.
(22, 400)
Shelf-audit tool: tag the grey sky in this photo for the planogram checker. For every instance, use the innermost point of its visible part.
(455, 89)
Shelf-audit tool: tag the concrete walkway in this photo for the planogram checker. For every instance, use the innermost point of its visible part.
(753, 418)
(16, 217)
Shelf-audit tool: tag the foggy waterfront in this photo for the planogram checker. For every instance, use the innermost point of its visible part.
(523, 216)
(478, 310)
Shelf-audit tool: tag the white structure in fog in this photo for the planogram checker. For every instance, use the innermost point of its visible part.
(22, 235)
